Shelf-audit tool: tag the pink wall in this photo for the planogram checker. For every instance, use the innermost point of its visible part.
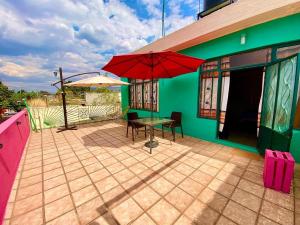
(14, 134)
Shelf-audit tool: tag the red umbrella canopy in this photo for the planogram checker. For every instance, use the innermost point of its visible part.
(152, 65)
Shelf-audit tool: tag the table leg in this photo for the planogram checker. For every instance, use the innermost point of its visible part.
(151, 139)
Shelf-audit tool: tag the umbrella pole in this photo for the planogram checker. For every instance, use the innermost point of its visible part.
(152, 85)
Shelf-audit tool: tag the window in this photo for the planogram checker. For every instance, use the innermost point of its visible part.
(287, 51)
(140, 94)
(209, 90)
(247, 58)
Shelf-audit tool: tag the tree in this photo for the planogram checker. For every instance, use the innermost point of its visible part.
(5, 95)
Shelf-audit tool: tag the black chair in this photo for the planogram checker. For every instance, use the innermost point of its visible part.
(176, 116)
(134, 126)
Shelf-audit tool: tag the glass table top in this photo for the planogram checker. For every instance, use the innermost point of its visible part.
(152, 121)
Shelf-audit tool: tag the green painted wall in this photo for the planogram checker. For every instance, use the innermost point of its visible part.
(181, 93)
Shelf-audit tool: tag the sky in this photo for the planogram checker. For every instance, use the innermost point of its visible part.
(38, 36)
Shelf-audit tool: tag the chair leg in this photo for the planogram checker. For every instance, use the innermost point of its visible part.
(127, 131)
(162, 130)
(145, 132)
(181, 131)
(173, 132)
(132, 132)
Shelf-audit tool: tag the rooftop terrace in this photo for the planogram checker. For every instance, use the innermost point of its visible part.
(95, 175)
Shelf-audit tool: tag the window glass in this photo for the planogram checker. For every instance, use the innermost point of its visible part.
(140, 94)
(208, 90)
(287, 51)
(248, 58)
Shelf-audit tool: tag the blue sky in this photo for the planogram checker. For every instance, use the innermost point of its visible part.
(38, 36)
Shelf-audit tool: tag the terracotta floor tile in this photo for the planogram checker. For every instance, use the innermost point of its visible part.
(146, 197)
(28, 204)
(53, 173)
(253, 177)
(297, 218)
(233, 169)
(228, 177)
(276, 213)
(282, 199)
(174, 177)
(34, 217)
(138, 168)
(297, 205)
(264, 221)
(123, 175)
(192, 187)
(213, 199)
(239, 214)
(129, 161)
(53, 182)
(90, 210)
(69, 218)
(31, 180)
(115, 196)
(127, 211)
(201, 177)
(73, 166)
(75, 174)
(84, 195)
(56, 193)
(115, 167)
(183, 220)
(144, 219)
(215, 163)
(163, 213)
(79, 183)
(99, 175)
(246, 199)
(134, 185)
(106, 219)
(221, 187)
(180, 199)
(210, 170)
(109, 161)
(200, 213)
(162, 186)
(148, 176)
(32, 172)
(225, 221)
(58, 207)
(25, 192)
(184, 169)
(52, 166)
(150, 162)
(251, 187)
(93, 167)
(106, 184)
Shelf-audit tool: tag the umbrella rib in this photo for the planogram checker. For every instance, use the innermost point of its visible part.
(164, 68)
(130, 68)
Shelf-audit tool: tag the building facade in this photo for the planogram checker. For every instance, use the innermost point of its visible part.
(246, 95)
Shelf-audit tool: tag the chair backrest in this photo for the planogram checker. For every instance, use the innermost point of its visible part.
(132, 116)
(177, 117)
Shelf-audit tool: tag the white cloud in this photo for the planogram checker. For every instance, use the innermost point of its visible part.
(78, 35)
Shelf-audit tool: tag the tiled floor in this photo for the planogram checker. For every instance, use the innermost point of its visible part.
(98, 176)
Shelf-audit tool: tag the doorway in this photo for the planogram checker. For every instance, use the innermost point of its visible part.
(243, 106)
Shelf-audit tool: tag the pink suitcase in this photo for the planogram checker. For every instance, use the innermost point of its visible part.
(278, 170)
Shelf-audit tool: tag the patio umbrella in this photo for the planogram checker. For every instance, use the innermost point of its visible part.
(152, 65)
(98, 81)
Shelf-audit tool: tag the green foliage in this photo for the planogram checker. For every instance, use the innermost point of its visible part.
(13, 99)
(5, 95)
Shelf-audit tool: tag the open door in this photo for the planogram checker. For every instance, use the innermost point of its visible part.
(279, 102)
